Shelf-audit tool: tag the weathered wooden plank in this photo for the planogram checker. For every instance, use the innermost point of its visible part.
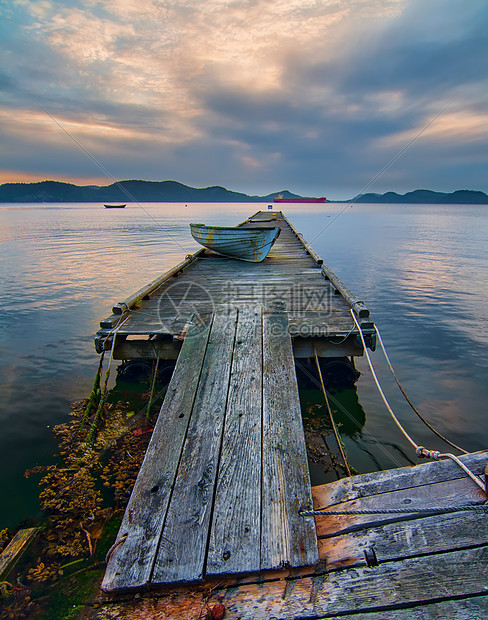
(459, 573)
(388, 590)
(404, 477)
(131, 562)
(183, 544)
(236, 527)
(439, 495)
(394, 541)
(304, 347)
(465, 609)
(287, 537)
(149, 349)
(15, 548)
(288, 273)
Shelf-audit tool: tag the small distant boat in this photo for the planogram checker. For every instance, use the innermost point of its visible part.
(114, 206)
(249, 244)
(281, 198)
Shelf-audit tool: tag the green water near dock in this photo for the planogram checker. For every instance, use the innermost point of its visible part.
(422, 270)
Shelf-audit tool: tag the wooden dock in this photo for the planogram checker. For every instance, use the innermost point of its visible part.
(153, 322)
(218, 513)
(225, 474)
(371, 566)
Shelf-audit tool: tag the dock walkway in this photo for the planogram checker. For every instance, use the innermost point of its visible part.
(371, 566)
(153, 321)
(225, 475)
(216, 513)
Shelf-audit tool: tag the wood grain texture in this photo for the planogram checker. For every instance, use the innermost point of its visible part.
(183, 544)
(287, 537)
(426, 566)
(289, 272)
(236, 527)
(131, 562)
(402, 478)
(15, 548)
(464, 609)
(440, 495)
(394, 541)
(454, 583)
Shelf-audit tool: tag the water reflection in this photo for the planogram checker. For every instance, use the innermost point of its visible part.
(422, 271)
(346, 413)
(325, 460)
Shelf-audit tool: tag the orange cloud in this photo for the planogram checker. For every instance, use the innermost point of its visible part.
(18, 176)
(462, 126)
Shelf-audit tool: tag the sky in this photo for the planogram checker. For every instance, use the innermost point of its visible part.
(321, 97)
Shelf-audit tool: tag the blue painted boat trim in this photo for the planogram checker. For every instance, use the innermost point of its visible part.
(248, 244)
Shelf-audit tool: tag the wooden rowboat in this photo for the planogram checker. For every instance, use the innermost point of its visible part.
(249, 244)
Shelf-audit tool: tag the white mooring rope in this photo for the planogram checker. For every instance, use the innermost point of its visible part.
(420, 450)
(453, 445)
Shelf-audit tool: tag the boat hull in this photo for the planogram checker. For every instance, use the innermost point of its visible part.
(248, 244)
(114, 206)
(302, 200)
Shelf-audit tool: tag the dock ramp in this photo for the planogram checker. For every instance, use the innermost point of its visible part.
(225, 476)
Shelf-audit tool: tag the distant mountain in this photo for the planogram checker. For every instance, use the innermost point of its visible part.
(124, 191)
(172, 191)
(425, 196)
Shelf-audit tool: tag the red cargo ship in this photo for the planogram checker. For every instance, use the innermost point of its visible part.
(279, 198)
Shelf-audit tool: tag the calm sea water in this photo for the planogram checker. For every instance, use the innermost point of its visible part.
(421, 269)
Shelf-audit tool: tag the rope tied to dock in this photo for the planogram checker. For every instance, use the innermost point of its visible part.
(420, 450)
(436, 455)
(396, 511)
(345, 337)
(103, 392)
(153, 385)
(331, 417)
(400, 386)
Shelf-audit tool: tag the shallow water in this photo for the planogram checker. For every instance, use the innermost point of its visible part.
(421, 269)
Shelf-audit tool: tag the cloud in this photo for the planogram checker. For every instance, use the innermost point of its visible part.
(258, 93)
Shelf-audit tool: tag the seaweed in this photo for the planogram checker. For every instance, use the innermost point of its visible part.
(71, 490)
(82, 496)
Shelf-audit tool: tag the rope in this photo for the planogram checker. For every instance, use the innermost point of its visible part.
(95, 394)
(338, 439)
(387, 404)
(436, 455)
(410, 402)
(395, 511)
(114, 338)
(148, 412)
(103, 394)
(420, 450)
(345, 337)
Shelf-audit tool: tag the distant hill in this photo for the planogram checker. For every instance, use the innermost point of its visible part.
(425, 196)
(172, 191)
(124, 191)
